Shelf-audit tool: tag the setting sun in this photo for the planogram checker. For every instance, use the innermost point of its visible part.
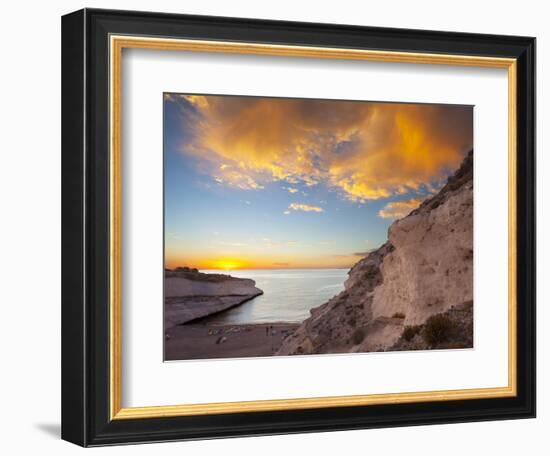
(283, 183)
(228, 264)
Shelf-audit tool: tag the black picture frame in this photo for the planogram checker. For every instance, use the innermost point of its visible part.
(85, 224)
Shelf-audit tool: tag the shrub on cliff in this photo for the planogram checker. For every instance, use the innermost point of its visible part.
(358, 336)
(186, 269)
(410, 331)
(438, 329)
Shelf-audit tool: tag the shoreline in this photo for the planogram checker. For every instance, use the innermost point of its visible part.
(190, 295)
(199, 340)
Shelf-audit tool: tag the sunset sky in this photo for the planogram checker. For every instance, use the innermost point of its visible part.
(256, 182)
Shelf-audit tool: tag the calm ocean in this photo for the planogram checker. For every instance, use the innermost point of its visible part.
(288, 294)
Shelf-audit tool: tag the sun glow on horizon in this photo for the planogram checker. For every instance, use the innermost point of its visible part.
(286, 183)
(227, 264)
(233, 264)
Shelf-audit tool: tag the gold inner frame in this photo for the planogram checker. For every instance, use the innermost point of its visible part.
(117, 44)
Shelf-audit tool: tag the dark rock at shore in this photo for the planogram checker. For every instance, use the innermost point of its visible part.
(203, 341)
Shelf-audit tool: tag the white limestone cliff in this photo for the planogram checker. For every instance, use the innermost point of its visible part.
(190, 295)
(425, 269)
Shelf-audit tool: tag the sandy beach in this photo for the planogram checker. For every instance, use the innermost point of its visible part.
(208, 341)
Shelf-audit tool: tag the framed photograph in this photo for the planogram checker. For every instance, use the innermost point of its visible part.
(278, 227)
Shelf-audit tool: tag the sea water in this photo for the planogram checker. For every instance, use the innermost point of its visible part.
(288, 296)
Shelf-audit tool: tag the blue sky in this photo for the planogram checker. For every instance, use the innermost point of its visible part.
(282, 183)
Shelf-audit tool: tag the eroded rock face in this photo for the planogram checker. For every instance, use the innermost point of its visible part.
(431, 267)
(190, 295)
(425, 268)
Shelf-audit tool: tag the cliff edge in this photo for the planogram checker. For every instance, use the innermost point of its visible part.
(414, 292)
(190, 294)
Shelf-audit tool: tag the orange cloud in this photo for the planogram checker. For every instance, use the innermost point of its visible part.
(365, 150)
(399, 209)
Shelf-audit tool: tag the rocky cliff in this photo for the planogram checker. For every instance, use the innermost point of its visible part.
(190, 294)
(414, 292)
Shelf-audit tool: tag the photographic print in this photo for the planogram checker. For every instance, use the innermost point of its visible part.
(308, 226)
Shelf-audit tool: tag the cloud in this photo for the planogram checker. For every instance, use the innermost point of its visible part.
(305, 207)
(291, 189)
(364, 150)
(399, 209)
(235, 178)
(352, 256)
(286, 212)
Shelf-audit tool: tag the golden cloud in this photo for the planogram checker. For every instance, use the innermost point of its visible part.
(399, 209)
(365, 150)
(305, 208)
